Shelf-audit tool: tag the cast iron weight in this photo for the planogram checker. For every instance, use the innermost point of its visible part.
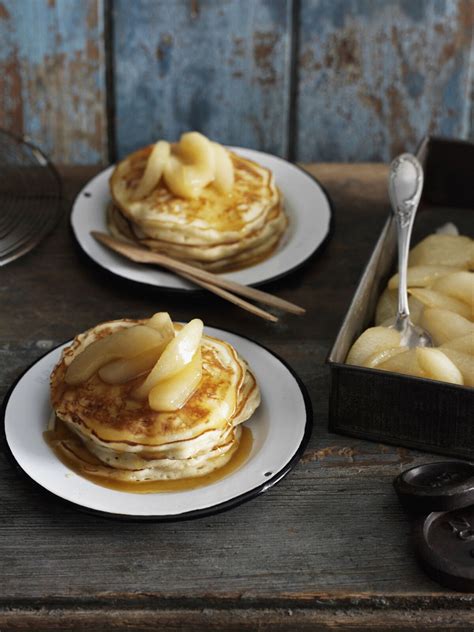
(444, 539)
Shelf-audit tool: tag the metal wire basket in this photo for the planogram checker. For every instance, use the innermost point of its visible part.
(30, 196)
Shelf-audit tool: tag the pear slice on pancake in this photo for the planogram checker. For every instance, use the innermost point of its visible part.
(198, 421)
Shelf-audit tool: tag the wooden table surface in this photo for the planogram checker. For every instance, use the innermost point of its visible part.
(327, 548)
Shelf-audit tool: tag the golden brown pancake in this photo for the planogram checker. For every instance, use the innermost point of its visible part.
(240, 254)
(129, 436)
(132, 469)
(215, 231)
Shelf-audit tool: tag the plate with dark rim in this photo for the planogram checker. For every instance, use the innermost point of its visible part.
(306, 204)
(280, 427)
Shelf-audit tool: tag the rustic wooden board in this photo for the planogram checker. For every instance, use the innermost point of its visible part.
(374, 77)
(326, 549)
(348, 79)
(237, 614)
(52, 76)
(222, 68)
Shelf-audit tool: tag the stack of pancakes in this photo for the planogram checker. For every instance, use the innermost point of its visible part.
(123, 439)
(214, 231)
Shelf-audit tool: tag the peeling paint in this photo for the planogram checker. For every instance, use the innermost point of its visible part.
(11, 112)
(371, 78)
(372, 101)
(226, 72)
(92, 16)
(263, 51)
(4, 14)
(52, 85)
(195, 9)
(371, 85)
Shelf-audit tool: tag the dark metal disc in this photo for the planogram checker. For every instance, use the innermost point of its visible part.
(441, 486)
(444, 544)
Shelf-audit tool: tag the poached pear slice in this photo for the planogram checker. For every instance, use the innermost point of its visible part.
(178, 353)
(422, 276)
(433, 298)
(459, 285)
(444, 325)
(438, 366)
(192, 166)
(464, 362)
(371, 341)
(154, 169)
(224, 171)
(173, 393)
(126, 369)
(463, 343)
(405, 363)
(162, 322)
(444, 250)
(125, 343)
(379, 357)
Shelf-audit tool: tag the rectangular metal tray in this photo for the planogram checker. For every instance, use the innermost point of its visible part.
(388, 407)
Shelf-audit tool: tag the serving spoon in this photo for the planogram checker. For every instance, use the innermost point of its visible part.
(405, 185)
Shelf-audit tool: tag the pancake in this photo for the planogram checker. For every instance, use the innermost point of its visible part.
(218, 258)
(206, 219)
(214, 231)
(248, 401)
(147, 458)
(119, 469)
(127, 440)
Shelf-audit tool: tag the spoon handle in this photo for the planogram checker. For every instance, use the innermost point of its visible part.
(405, 187)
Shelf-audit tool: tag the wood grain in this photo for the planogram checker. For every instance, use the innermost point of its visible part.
(374, 77)
(310, 79)
(326, 549)
(235, 617)
(52, 86)
(221, 68)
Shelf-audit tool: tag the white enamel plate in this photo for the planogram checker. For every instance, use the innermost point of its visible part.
(281, 428)
(306, 205)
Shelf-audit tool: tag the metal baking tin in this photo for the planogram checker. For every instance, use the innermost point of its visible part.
(388, 407)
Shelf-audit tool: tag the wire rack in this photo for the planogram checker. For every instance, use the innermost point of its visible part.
(30, 196)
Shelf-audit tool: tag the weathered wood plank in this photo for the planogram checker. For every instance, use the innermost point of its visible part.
(374, 77)
(242, 618)
(52, 76)
(330, 536)
(307, 535)
(219, 67)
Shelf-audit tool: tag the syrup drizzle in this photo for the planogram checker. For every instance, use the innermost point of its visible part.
(60, 433)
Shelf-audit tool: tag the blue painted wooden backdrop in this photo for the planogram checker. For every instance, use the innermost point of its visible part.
(313, 80)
